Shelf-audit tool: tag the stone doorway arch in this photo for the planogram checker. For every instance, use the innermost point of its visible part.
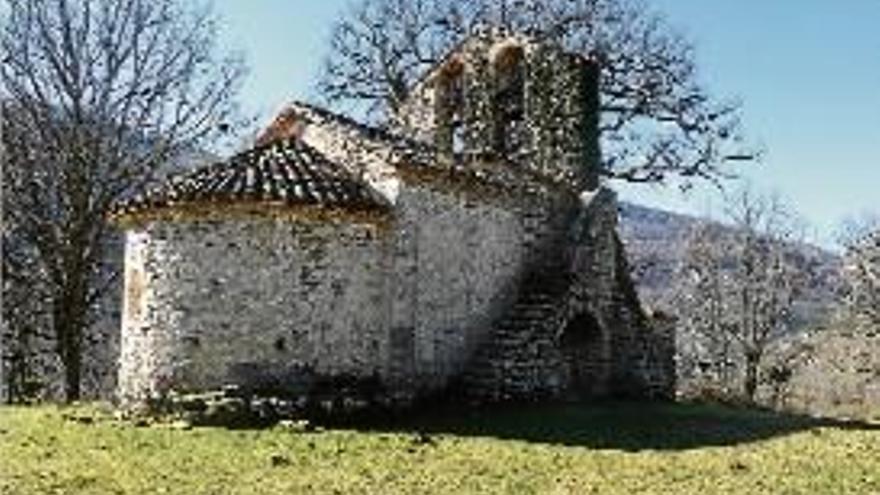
(585, 347)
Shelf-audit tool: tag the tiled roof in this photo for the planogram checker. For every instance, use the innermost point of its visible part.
(282, 172)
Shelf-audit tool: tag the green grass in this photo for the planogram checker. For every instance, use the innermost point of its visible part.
(582, 449)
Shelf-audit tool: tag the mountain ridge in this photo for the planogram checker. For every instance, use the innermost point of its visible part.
(656, 242)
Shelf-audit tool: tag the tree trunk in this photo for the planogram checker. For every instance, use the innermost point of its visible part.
(70, 320)
(751, 382)
(72, 359)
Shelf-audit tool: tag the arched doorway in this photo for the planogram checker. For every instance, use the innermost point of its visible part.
(586, 353)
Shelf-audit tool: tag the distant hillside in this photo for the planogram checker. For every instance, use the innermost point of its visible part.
(655, 242)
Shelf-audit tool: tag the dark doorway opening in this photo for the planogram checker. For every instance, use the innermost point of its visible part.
(586, 354)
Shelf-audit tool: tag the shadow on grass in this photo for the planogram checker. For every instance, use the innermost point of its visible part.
(620, 426)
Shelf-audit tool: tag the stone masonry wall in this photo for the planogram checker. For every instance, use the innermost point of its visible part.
(206, 301)
(592, 293)
(576, 328)
(607, 345)
(636, 352)
(457, 262)
(214, 302)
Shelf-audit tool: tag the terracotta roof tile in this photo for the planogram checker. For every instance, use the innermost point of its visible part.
(286, 171)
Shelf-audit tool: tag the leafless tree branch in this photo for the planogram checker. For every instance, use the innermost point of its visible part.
(97, 95)
(658, 121)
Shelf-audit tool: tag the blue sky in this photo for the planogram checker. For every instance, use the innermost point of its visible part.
(807, 72)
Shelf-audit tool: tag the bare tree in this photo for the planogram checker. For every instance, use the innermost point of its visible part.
(743, 281)
(97, 95)
(658, 121)
(705, 344)
(860, 237)
(854, 229)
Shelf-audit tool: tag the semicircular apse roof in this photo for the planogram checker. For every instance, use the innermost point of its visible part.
(283, 172)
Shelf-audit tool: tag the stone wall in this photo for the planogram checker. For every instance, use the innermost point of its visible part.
(464, 235)
(209, 303)
(458, 261)
(409, 301)
(575, 328)
(623, 351)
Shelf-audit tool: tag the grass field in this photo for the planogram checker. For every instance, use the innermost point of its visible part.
(582, 449)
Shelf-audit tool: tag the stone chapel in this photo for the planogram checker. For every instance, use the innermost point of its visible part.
(468, 246)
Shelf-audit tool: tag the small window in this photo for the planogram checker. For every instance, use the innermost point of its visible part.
(508, 100)
(449, 132)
